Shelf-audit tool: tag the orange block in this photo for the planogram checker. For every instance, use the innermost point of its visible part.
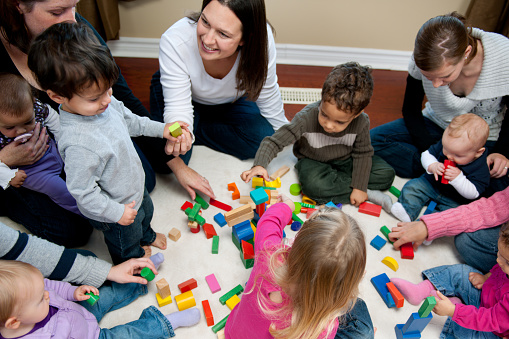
(208, 312)
(396, 295)
(233, 187)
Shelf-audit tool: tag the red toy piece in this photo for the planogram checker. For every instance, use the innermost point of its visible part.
(260, 209)
(233, 187)
(195, 229)
(186, 205)
(370, 209)
(396, 295)
(208, 312)
(221, 205)
(247, 250)
(447, 163)
(187, 285)
(209, 230)
(407, 251)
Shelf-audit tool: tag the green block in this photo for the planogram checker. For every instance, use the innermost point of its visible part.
(303, 204)
(296, 218)
(248, 263)
(215, 244)
(236, 290)
(396, 192)
(385, 231)
(147, 274)
(220, 325)
(199, 219)
(426, 307)
(194, 212)
(93, 298)
(266, 188)
(297, 207)
(175, 130)
(295, 189)
(201, 201)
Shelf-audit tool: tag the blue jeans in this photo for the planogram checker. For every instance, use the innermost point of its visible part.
(418, 192)
(151, 324)
(124, 242)
(479, 249)
(234, 128)
(452, 281)
(356, 324)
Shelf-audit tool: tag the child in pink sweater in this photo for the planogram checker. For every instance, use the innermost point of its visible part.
(308, 290)
(485, 312)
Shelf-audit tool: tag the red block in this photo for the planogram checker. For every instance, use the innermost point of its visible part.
(208, 312)
(247, 250)
(233, 187)
(407, 251)
(447, 163)
(209, 230)
(370, 209)
(195, 230)
(396, 295)
(220, 205)
(260, 209)
(309, 212)
(188, 285)
(187, 204)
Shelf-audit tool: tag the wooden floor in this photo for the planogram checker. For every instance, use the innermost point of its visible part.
(385, 105)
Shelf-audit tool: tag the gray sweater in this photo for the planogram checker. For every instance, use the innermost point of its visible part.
(102, 167)
(54, 261)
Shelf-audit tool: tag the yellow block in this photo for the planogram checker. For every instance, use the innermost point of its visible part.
(274, 183)
(257, 181)
(308, 200)
(393, 264)
(163, 302)
(232, 302)
(185, 300)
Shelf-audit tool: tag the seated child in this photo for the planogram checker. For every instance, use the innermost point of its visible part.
(19, 114)
(485, 297)
(34, 307)
(308, 290)
(331, 141)
(463, 143)
(104, 172)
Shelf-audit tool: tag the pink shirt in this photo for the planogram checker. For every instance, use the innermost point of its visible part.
(493, 314)
(480, 214)
(247, 320)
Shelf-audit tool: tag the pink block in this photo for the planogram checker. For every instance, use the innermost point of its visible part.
(212, 282)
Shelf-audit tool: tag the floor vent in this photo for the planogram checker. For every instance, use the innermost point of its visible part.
(301, 96)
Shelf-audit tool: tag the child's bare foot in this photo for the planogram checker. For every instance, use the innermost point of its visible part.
(160, 241)
(148, 251)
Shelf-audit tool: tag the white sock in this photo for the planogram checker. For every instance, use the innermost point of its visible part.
(399, 212)
(381, 199)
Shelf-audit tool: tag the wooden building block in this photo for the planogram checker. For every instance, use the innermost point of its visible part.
(237, 212)
(235, 191)
(391, 263)
(256, 181)
(220, 325)
(208, 312)
(245, 199)
(175, 130)
(186, 205)
(247, 250)
(201, 201)
(212, 282)
(385, 231)
(380, 284)
(248, 216)
(280, 172)
(259, 196)
(396, 295)
(407, 251)
(426, 307)
(174, 234)
(219, 204)
(185, 300)
(219, 218)
(370, 209)
(163, 301)
(232, 302)
(187, 285)
(209, 230)
(215, 244)
(274, 183)
(378, 242)
(163, 288)
(236, 290)
(447, 163)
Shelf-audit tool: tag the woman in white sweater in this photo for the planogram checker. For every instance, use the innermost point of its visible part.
(460, 70)
(218, 75)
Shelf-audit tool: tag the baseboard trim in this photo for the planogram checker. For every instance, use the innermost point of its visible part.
(292, 54)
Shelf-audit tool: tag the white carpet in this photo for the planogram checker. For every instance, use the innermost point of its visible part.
(191, 257)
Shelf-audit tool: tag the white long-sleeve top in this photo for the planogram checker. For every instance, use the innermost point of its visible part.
(183, 78)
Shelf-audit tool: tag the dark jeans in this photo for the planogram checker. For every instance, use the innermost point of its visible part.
(393, 143)
(479, 249)
(356, 324)
(124, 242)
(331, 181)
(235, 128)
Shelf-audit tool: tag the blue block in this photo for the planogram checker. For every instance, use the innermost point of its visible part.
(296, 226)
(243, 231)
(400, 335)
(340, 206)
(431, 207)
(284, 234)
(255, 218)
(416, 324)
(259, 196)
(331, 204)
(219, 218)
(380, 284)
(378, 242)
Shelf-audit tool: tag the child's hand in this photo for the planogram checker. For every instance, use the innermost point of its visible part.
(129, 214)
(437, 168)
(79, 293)
(284, 199)
(444, 306)
(182, 143)
(19, 179)
(358, 197)
(257, 170)
(477, 279)
(451, 173)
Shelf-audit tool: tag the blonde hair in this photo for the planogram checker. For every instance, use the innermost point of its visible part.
(476, 128)
(15, 281)
(320, 274)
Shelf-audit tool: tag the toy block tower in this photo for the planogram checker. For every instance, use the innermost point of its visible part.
(417, 321)
(259, 196)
